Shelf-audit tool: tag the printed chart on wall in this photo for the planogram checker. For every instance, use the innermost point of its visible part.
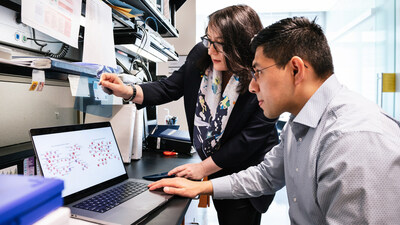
(76, 155)
(59, 19)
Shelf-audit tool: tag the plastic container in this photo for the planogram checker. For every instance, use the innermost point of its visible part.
(26, 199)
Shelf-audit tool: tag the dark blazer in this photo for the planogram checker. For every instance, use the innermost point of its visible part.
(248, 134)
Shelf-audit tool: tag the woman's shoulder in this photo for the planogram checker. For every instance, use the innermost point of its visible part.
(199, 50)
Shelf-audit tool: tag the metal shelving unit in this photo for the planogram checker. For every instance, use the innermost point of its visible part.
(165, 27)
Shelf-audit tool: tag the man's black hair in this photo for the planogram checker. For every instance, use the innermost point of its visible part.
(296, 36)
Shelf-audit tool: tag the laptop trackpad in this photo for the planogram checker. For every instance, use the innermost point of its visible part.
(137, 207)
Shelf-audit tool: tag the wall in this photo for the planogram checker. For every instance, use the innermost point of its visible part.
(186, 25)
(362, 36)
(22, 110)
(397, 60)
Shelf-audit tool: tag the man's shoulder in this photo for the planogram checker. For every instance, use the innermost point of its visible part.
(349, 112)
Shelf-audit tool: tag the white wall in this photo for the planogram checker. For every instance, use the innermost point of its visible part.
(186, 25)
(22, 110)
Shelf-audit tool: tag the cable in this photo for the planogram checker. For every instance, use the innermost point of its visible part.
(146, 71)
(154, 20)
(34, 39)
(61, 53)
(144, 37)
(142, 43)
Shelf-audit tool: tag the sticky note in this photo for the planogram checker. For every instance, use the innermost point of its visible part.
(388, 82)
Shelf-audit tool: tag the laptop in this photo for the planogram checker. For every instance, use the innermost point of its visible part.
(96, 184)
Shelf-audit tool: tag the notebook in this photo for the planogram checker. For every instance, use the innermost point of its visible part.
(97, 187)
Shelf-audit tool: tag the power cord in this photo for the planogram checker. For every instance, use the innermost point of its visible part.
(36, 41)
(60, 54)
(146, 71)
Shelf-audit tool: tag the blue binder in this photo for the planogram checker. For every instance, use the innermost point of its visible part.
(26, 199)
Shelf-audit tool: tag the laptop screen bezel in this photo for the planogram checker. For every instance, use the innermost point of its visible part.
(59, 129)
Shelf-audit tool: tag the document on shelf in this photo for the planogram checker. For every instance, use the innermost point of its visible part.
(99, 38)
(32, 61)
(58, 19)
(10, 62)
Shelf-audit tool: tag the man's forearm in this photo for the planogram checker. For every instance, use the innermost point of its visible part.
(209, 166)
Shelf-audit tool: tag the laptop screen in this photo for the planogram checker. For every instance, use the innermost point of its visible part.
(82, 157)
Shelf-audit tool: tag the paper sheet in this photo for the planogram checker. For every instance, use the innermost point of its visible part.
(38, 80)
(59, 19)
(99, 94)
(79, 86)
(98, 46)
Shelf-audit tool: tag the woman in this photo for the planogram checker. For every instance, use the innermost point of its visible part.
(228, 129)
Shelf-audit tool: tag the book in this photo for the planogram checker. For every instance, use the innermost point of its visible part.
(53, 64)
(5, 53)
(35, 62)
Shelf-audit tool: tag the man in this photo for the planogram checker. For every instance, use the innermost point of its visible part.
(339, 155)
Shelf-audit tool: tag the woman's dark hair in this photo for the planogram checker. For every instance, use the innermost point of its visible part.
(237, 25)
(296, 36)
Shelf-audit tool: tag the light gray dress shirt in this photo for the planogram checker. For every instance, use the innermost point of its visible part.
(339, 159)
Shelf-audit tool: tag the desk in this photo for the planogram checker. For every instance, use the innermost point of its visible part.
(171, 213)
(154, 162)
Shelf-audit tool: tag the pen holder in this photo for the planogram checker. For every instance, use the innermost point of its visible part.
(170, 120)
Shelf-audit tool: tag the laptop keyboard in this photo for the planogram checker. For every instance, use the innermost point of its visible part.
(105, 201)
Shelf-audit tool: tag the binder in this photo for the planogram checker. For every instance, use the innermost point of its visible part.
(26, 199)
(170, 140)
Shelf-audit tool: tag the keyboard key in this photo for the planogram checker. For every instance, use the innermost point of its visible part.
(105, 201)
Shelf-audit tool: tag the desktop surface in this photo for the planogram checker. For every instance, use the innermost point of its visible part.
(155, 162)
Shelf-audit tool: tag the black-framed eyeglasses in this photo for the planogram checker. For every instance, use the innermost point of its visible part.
(256, 73)
(207, 43)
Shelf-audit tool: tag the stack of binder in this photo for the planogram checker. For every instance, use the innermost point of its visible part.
(169, 139)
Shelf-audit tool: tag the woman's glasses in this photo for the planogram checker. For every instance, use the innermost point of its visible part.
(218, 46)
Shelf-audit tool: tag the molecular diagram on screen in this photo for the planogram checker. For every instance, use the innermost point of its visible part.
(100, 150)
(64, 160)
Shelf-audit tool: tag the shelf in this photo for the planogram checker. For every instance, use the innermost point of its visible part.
(15, 153)
(165, 28)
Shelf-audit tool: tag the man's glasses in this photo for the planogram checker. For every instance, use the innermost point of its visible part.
(217, 45)
(256, 73)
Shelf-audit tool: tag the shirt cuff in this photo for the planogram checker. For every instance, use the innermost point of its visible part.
(222, 188)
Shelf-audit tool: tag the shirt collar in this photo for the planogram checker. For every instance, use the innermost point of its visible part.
(312, 111)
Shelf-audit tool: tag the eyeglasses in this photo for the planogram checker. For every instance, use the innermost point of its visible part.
(256, 73)
(207, 43)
